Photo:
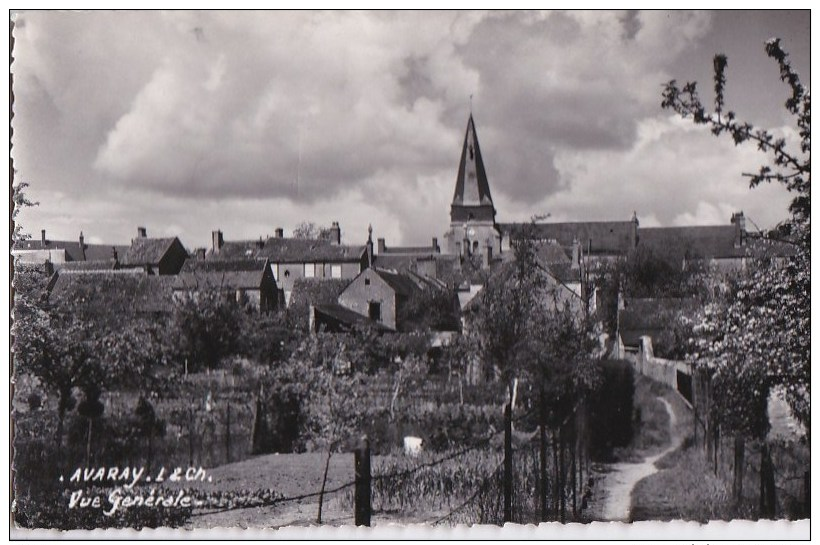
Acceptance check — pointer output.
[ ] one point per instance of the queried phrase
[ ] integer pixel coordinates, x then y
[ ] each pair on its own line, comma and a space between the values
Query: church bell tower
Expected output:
472, 213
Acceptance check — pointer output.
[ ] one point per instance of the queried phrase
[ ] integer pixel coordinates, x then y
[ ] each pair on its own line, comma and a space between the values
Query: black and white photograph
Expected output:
410, 269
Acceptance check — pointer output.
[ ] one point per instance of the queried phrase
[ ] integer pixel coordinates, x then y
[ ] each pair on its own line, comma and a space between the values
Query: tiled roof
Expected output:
289, 250
402, 284
549, 252
147, 251
118, 291
97, 265
192, 265
651, 317
93, 252
219, 279
707, 241
412, 250
346, 317
599, 237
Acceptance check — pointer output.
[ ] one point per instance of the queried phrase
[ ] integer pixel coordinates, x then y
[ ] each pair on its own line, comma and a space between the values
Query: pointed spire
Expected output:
472, 187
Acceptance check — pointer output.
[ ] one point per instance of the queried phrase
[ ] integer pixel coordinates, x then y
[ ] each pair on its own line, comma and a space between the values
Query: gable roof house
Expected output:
60, 252
383, 298
248, 281
294, 258
154, 255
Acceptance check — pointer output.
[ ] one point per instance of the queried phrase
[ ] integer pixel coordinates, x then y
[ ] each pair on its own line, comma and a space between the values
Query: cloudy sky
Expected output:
185, 122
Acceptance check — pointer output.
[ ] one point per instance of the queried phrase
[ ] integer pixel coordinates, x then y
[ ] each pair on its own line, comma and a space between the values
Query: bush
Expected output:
611, 407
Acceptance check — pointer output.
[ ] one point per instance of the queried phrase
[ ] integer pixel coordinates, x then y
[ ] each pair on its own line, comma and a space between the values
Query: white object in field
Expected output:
412, 445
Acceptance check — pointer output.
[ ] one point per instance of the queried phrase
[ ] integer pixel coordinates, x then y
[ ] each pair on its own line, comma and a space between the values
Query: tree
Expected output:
309, 230
788, 166
207, 324
19, 201
754, 336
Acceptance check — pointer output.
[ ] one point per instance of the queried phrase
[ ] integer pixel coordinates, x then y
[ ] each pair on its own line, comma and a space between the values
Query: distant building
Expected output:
115, 291
154, 255
59, 252
294, 258
250, 282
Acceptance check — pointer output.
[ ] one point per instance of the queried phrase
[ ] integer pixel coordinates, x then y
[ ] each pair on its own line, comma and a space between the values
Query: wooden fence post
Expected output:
508, 472
807, 493
737, 482
562, 474
228, 432
542, 474
362, 487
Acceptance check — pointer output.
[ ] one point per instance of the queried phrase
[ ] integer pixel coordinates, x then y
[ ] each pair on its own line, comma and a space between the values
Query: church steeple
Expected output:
472, 200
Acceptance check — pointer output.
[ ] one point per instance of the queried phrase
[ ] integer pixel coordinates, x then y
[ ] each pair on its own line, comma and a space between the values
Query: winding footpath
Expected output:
622, 477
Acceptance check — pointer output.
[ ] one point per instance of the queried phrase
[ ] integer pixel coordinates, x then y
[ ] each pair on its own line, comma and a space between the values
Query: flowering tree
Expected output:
755, 334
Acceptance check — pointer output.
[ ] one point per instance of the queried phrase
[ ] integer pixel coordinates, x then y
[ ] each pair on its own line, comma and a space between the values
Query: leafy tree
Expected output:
19, 201
207, 324
430, 309
754, 335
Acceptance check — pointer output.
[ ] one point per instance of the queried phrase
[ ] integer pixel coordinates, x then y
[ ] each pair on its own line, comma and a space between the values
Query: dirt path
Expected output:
621, 478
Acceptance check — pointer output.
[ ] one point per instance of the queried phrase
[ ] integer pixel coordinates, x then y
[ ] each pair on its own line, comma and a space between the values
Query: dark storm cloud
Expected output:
124, 117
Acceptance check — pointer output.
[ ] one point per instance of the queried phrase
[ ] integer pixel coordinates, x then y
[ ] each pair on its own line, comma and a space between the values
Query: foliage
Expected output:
309, 230
19, 201
611, 409
525, 331
430, 309
207, 324
755, 334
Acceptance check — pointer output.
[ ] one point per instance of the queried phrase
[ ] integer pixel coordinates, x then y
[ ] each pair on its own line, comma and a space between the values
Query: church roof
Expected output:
472, 187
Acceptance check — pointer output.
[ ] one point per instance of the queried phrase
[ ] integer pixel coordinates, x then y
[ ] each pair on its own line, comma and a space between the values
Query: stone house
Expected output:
160, 256
250, 282
294, 258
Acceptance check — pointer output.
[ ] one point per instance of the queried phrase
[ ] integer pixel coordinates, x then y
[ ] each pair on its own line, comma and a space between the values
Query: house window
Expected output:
374, 311
310, 270
287, 273
274, 268
335, 271
366, 281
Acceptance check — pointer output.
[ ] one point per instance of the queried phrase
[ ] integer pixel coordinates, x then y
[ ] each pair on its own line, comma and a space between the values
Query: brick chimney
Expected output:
142, 232
739, 221
380, 243
43, 236
200, 254
115, 255
216, 241
436, 248
279, 232
335, 234
633, 232
82, 246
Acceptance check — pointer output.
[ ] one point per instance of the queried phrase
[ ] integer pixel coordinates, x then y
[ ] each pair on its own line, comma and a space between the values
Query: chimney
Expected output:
43, 236
633, 232
436, 249
82, 246
114, 255
142, 232
200, 254
216, 241
576, 254
739, 221
279, 233
369, 246
335, 234
380, 243
488, 254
